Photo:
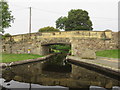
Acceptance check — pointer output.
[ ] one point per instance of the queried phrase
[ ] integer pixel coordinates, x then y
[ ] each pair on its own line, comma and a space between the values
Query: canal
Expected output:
55, 71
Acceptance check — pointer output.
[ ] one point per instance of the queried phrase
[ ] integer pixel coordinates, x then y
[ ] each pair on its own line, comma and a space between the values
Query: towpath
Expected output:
111, 65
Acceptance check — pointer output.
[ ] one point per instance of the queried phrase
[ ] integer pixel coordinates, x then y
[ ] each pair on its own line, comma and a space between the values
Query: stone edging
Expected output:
94, 65
2, 65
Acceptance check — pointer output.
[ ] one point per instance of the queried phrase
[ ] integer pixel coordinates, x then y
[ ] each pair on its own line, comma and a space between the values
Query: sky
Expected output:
103, 13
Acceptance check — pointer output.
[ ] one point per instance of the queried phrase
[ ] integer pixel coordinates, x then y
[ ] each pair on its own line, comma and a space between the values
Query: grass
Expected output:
17, 57
109, 53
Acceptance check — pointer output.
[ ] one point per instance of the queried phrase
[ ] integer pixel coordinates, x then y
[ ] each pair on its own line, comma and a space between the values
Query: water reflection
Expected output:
48, 73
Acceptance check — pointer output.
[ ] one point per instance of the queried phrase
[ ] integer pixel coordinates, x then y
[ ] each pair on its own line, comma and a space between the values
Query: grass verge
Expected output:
109, 53
17, 57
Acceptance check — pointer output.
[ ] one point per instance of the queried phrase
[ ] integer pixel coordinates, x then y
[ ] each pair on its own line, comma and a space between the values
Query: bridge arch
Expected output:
46, 47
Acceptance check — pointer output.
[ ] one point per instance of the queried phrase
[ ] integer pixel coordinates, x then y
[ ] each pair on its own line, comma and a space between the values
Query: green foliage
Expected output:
6, 35
17, 57
48, 29
61, 47
60, 22
5, 16
77, 19
109, 53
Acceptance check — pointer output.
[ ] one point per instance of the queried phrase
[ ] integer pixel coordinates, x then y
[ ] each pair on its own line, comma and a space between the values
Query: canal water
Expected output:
55, 71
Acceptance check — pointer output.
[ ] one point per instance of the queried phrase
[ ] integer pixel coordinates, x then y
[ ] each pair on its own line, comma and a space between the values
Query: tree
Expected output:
76, 20
5, 16
60, 22
48, 29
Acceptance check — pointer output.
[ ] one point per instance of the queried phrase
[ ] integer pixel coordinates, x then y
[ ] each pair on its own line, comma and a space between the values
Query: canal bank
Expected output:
105, 65
55, 71
3, 65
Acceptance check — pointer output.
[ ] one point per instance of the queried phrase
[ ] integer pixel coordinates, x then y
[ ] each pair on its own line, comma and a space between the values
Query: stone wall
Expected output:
95, 44
67, 34
92, 44
38, 43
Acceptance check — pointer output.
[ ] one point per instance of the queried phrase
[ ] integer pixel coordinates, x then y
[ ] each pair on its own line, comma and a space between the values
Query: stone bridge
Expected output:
39, 43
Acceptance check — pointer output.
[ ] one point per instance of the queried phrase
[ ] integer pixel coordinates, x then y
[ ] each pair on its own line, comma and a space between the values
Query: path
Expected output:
102, 63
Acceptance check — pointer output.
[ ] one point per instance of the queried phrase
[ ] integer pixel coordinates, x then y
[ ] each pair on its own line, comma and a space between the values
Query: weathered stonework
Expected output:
38, 43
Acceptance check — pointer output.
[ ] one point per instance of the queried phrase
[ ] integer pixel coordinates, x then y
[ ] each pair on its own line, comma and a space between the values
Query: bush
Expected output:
48, 29
6, 35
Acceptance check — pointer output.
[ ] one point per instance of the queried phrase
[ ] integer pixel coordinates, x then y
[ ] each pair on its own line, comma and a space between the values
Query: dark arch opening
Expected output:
57, 47
48, 44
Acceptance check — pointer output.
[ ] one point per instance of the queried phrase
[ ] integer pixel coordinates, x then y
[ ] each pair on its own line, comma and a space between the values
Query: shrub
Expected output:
48, 29
6, 35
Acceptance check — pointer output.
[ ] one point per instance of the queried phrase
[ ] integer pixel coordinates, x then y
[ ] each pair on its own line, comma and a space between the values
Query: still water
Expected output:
54, 72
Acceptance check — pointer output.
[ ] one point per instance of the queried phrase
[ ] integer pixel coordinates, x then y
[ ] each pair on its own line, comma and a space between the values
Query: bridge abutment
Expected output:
44, 50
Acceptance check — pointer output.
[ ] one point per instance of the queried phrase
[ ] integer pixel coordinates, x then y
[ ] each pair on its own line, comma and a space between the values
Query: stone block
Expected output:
88, 54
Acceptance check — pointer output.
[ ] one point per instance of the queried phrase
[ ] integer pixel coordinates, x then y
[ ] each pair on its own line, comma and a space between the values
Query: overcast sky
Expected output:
103, 13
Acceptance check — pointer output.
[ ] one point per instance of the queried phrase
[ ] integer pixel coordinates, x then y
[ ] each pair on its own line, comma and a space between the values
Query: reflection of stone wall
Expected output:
0, 49
82, 74
38, 42
24, 72
78, 78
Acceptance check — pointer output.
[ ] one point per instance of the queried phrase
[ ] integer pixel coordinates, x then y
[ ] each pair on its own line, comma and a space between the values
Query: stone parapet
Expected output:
38, 42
